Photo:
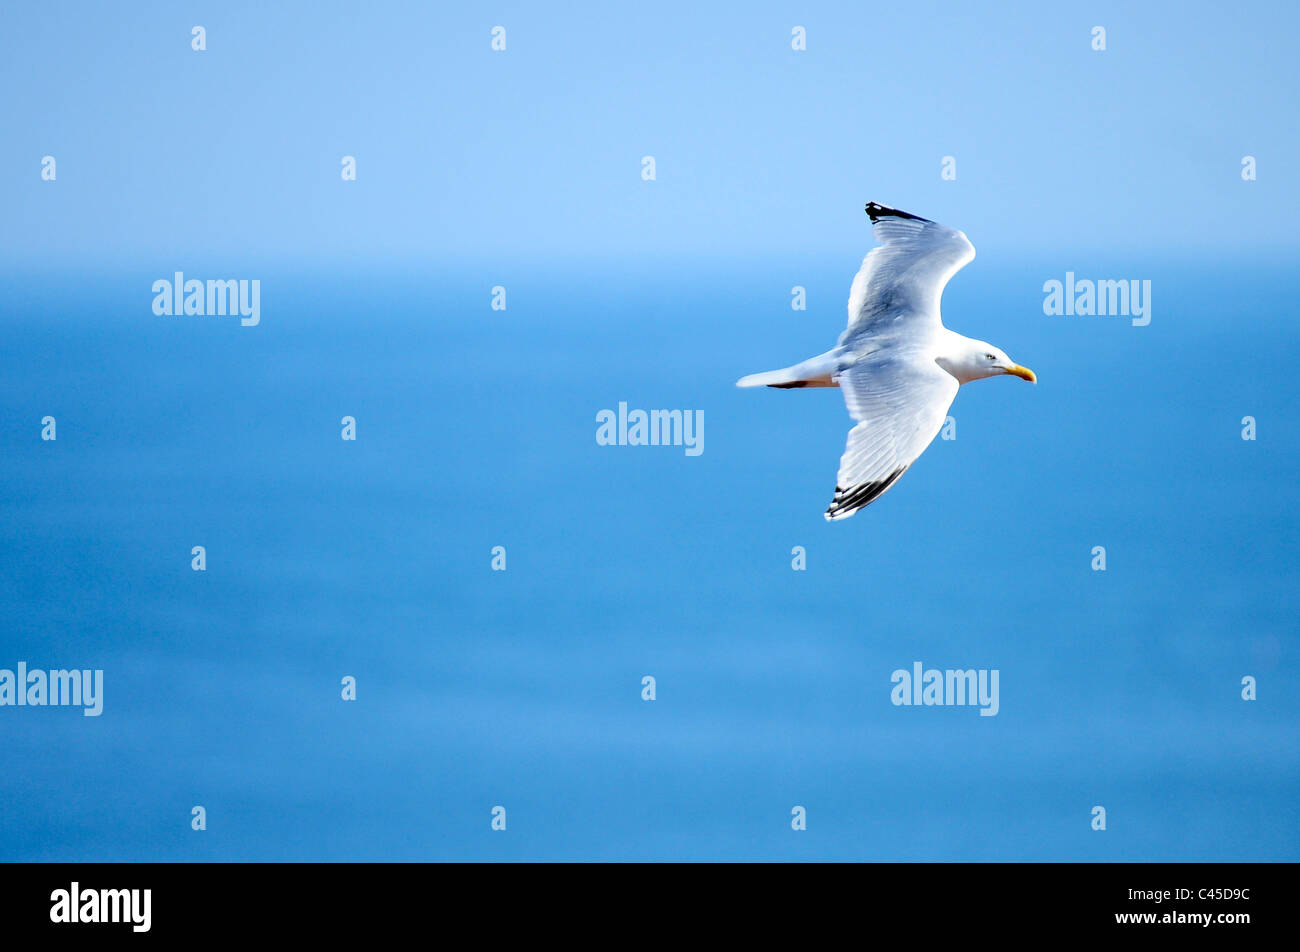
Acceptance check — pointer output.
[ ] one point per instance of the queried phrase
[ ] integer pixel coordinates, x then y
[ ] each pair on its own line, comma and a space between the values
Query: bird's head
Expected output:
968, 359
989, 361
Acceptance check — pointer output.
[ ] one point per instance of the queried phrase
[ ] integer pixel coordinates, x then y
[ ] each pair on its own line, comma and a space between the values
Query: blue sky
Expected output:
534, 152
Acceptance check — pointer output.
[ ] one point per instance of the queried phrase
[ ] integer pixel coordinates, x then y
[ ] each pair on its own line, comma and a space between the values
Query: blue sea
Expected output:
522, 688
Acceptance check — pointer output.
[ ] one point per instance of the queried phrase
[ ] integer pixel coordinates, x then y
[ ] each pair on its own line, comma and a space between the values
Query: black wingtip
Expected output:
876, 211
848, 501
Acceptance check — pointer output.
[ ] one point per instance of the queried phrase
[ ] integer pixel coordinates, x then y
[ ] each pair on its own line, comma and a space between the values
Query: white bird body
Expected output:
898, 366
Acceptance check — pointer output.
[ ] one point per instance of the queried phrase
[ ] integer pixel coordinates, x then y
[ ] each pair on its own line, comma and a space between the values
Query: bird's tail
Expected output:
816, 372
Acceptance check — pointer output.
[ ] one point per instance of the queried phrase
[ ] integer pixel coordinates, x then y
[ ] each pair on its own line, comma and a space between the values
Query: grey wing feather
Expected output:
903, 279
901, 403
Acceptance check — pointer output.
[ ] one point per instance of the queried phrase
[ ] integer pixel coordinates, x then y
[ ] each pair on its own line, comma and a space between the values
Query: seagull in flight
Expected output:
898, 366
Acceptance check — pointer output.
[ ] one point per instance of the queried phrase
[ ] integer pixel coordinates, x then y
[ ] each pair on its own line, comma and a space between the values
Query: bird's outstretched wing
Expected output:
901, 281
901, 402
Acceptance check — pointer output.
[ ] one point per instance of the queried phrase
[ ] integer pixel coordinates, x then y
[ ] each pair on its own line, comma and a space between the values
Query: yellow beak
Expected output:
1024, 373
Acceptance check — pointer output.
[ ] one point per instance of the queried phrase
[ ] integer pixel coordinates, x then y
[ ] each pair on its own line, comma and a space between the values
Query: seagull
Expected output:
898, 366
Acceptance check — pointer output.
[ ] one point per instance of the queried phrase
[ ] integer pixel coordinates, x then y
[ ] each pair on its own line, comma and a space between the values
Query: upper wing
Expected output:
904, 278
901, 404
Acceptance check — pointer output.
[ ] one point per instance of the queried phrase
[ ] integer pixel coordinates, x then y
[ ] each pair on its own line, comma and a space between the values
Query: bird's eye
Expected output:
990, 357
